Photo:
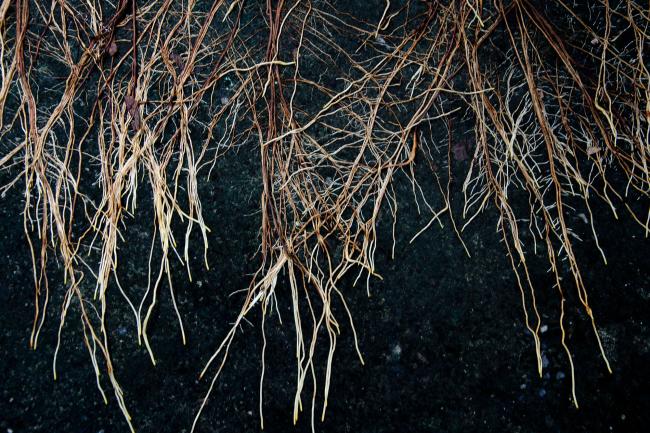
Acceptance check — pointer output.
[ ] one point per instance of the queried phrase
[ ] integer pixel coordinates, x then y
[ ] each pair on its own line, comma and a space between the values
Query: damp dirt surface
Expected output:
442, 333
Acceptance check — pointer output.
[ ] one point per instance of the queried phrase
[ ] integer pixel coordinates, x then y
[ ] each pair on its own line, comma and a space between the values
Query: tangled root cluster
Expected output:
101, 101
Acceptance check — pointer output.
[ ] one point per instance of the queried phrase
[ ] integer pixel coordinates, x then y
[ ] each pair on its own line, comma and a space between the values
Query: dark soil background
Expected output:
442, 335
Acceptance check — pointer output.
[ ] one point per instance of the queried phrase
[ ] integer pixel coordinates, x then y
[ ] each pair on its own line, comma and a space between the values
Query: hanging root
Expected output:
101, 102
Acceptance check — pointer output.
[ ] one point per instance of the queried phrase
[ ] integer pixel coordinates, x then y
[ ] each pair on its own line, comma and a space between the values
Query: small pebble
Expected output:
543, 329
397, 351
542, 392
112, 49
423, 359
560, 375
